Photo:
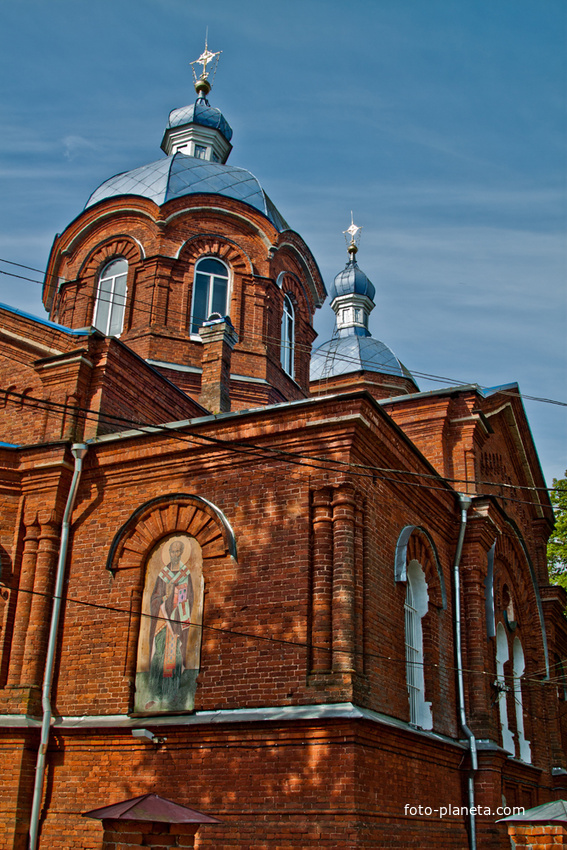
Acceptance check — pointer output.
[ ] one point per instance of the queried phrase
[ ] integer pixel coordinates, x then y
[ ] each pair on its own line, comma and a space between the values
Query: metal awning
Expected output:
556, 811
150, 807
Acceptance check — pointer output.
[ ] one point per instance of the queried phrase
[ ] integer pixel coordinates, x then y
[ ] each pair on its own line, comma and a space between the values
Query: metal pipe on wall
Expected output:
78, 450
464, 502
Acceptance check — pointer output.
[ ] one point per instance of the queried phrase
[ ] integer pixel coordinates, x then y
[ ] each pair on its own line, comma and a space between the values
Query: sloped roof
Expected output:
150, 807
201, 113
554, 811
353, 353
352, 280
178, 175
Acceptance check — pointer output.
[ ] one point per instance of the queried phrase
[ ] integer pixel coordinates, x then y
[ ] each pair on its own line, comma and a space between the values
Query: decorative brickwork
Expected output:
221, 495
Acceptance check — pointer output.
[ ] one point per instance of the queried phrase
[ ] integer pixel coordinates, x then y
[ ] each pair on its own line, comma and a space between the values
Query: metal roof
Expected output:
352, 352
150, 807
553, 812
453, 389
180, 174
201, 113
352, 281
47, 323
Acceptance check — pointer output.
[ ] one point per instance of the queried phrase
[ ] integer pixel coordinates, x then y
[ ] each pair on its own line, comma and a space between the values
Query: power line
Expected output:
19, 276
342, 357
21, 266
280, 641
328, 464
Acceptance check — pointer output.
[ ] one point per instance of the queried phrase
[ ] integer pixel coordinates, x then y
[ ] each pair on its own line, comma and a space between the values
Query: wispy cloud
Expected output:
74, 146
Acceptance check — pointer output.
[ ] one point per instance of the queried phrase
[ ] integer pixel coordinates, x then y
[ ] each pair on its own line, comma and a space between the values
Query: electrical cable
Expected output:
532, 680
328, 464
298, 346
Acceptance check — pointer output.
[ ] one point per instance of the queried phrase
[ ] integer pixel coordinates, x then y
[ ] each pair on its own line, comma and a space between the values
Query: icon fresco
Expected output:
169, 643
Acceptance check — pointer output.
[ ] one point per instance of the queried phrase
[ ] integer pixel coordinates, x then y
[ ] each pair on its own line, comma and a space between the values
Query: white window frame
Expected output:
114, 302
415, 608
502, 656
197, 321
287, 345
525, 750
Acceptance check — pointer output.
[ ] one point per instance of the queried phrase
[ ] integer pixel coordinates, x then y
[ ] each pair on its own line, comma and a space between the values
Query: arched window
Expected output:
111, 298
502, 656
210, 291
288, 336
416, 605
525, 752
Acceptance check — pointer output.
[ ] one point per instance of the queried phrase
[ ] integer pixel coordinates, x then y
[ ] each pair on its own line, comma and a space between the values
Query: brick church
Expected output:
262, 577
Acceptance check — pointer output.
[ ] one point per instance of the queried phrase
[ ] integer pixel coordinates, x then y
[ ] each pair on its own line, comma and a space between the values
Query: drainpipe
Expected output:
78, 450
464, 503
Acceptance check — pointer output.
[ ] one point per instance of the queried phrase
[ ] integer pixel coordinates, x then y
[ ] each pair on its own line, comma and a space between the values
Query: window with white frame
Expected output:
111, 298
287, 336
502, 656
525, 752
509, 682
210, 291
415, 607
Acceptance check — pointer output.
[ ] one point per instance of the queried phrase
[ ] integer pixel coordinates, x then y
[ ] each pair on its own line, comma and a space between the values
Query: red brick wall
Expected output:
337, 784
70, 374
161, 261
300, 788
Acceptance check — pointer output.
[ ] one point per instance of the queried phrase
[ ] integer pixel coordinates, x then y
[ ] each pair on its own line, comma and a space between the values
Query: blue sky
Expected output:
441, 124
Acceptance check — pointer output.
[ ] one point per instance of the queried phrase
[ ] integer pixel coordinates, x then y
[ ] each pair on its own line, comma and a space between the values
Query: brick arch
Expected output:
234, 257
166, 515
415, 544
512, 566
291, 285
67, 303
292, 245
212, 245
104, 252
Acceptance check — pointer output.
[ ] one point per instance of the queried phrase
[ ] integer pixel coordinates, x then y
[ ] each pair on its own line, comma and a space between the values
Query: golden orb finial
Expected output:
209, 61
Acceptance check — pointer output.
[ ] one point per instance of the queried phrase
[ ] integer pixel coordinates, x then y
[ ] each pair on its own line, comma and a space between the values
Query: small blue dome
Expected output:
200, 113
352, 280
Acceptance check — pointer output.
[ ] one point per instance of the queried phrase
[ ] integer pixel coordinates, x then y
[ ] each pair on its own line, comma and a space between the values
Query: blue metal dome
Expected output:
180, 174
352, 281
201, 113
355, 352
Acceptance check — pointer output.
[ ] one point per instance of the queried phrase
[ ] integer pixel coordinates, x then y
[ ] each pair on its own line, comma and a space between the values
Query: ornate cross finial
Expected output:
207, 58
352, 236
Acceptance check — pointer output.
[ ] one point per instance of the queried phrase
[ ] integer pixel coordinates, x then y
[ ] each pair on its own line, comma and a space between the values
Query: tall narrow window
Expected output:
502, 656
210, 291
416, 605
111, 298
525, 751
288, 336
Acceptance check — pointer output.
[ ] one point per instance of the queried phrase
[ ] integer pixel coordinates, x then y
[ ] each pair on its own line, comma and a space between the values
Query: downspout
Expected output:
464, 503
78, 450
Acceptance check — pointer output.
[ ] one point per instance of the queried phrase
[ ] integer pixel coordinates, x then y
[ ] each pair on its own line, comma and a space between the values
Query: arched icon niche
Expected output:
169, 643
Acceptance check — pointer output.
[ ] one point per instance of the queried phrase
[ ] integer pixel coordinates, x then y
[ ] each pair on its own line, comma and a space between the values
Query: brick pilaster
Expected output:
322, 580
343, 580
38, 630
24, 602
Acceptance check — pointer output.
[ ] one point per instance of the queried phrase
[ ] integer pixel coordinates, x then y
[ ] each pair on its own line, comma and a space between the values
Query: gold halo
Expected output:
166, 546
